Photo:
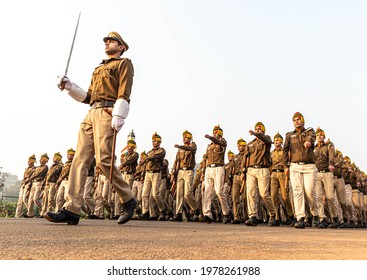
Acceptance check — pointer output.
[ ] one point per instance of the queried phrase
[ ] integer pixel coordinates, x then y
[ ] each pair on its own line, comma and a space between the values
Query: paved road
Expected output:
37, 239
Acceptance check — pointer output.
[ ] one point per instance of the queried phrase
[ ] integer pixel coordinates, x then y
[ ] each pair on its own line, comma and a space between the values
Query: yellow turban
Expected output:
156, 137
298, 114
278, 137
58, 156
45, 156
187, 134
218, 130
131, 143
71, 151
262, 126
32, 158
241, 142
320, 131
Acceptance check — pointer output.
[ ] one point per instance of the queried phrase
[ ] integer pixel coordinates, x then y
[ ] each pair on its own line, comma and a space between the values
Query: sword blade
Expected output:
72, 46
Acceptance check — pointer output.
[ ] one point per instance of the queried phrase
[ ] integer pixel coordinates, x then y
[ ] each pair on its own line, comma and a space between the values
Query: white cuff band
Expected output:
121, 108
77, 93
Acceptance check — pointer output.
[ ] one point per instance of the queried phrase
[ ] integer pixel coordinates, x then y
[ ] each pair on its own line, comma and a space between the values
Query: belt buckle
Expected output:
301, 163
213, 165
184, 168
256, 166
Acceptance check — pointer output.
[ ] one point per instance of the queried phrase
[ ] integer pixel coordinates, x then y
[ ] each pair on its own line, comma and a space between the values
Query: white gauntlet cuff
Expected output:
77, 93
121, 108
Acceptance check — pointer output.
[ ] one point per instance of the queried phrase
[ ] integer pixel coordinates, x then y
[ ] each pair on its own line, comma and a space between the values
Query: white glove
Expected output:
73, 89
119, 113
64, 83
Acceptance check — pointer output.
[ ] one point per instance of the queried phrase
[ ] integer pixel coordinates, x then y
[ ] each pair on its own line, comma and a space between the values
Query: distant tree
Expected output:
9, 183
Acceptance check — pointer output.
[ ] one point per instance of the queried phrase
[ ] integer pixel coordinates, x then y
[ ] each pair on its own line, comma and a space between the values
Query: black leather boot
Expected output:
62, 216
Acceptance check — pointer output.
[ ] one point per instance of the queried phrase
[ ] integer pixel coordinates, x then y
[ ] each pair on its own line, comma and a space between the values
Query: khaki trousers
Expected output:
21, 200
339, 185
184, 191
214, 183
107, 196
88, 196
48, 195
137, 192
60, 195
151, 187
303, 177
357, 206
236, 197
277, 182
34, 197
325, 186
349, 198
258, 178
95, 137
97, 196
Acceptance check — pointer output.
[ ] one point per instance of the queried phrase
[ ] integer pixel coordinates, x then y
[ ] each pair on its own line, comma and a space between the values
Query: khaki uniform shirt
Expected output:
111, 80
237, 164
339, 161
277, 159
185, 157
139, 172
155, 159
129, 163
258, 151
228, 178
65, 171
324, 156
349, 175
165, 170
39, 173
293, 148
216, 151
28, 173
54, 173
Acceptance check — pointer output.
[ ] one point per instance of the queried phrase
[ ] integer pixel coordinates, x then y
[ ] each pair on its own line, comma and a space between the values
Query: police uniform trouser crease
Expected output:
95, 137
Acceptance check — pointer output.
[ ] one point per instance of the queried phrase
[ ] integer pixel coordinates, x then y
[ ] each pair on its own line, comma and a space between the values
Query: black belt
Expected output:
215, 165
36, 181
153, 171
277, 170
126, 172
302, 162
186, 168
238, 173
102, 104
258, 166
324, 171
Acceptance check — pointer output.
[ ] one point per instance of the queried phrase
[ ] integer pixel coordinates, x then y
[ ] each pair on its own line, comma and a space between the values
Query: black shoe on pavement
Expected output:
236, 222
62, 216
92, 217
177, 218
226, 219
300, 224
273, 223
323, 224
208, 219
128, 211
251, 222
315, 221
335, 223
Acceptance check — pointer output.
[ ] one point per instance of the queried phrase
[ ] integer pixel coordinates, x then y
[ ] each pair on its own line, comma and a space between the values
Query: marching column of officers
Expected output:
303, 182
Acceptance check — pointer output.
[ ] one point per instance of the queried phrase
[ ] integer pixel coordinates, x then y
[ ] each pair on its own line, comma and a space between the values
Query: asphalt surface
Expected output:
38, 239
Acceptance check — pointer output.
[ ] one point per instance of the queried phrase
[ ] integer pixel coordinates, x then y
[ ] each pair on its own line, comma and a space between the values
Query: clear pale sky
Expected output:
197, 64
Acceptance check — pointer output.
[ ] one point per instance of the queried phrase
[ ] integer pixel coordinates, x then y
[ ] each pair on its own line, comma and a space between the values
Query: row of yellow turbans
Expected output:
57, 155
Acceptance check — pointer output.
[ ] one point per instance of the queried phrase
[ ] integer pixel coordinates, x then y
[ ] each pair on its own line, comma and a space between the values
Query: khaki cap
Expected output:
115, 36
